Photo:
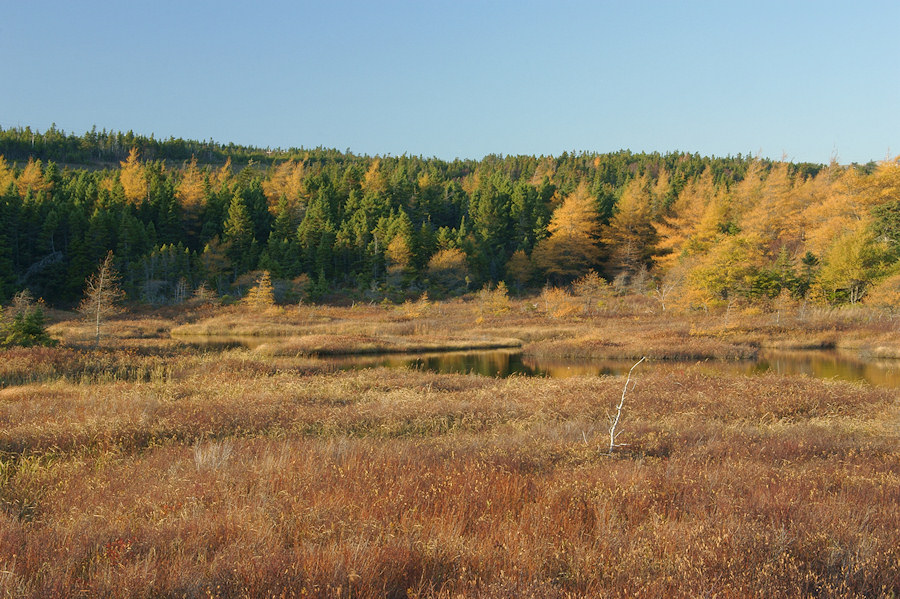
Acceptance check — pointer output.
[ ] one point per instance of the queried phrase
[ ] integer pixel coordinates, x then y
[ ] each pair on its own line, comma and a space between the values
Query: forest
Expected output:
697, 233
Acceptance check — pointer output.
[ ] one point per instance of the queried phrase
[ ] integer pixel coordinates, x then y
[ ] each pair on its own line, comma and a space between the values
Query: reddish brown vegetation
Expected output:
231, 476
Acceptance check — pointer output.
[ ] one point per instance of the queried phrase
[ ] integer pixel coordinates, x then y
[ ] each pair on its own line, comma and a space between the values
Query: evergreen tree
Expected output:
238, 235
27, 329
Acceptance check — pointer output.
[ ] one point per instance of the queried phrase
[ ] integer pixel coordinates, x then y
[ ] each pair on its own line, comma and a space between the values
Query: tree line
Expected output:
696, 231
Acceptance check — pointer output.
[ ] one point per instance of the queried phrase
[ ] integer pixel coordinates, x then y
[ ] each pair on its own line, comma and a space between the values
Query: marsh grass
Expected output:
628, 329
251, 482
171, 471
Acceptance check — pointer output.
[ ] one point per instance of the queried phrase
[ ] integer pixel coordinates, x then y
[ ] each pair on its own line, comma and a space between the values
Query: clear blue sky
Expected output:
466, 78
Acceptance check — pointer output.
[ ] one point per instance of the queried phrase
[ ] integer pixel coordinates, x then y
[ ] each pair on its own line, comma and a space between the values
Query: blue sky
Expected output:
461, 78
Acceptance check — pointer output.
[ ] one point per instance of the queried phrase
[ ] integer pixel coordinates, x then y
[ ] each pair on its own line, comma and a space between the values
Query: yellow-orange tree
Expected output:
571, 249
133, 179
191, 194
629, 236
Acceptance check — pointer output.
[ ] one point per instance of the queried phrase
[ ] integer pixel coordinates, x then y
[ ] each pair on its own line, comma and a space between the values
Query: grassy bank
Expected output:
152, 468
233, 477
628, 332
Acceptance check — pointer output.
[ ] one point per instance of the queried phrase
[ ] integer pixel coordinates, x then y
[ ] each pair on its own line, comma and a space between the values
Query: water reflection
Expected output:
504, 363
223, 342
496, 363
825, 364
844, 366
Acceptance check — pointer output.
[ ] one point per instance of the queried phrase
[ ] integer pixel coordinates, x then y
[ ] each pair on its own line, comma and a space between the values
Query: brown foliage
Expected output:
403, 483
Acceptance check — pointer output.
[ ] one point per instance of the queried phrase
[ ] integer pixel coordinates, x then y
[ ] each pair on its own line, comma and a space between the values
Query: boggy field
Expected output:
152, 468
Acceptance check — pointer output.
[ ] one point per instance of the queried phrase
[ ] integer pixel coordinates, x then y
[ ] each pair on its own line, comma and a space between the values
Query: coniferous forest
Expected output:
181, 215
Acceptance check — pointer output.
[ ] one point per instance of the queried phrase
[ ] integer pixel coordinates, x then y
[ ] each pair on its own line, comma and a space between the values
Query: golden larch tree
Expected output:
571, 247
881, 186
262, 295
286, 181
852, 263
223, 176
133, 178
774, 217
374, 180
398, 252
448, 269
32, 179
727, 270
6, 175
629, 236
683, 221
748, 191
886, 295
191, 190
834, 211
191, 194
659, 192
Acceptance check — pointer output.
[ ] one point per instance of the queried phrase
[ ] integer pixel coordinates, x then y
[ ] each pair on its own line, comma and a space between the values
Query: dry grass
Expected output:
172, 471
631, 330
247, 480
330, 345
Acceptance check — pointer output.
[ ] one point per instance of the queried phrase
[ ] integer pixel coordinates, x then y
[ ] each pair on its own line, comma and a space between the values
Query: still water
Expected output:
503, 363
826, 364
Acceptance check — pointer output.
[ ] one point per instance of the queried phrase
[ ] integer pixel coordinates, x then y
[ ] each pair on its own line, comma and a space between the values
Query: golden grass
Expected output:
631, 331
236, 478
174, 471
329, 345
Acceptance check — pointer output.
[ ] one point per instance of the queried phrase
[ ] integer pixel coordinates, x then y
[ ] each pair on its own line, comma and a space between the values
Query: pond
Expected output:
825, 364
828, 364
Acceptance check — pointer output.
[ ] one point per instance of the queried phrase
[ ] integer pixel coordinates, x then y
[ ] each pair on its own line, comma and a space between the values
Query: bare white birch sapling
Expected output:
614, 420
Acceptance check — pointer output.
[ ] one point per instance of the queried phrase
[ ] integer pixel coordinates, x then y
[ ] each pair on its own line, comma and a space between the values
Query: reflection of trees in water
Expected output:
487, 363
493, 363
560, 368
831, 364
826, 364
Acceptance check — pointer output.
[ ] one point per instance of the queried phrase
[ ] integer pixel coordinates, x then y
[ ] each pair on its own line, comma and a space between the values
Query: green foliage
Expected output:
886, 225
26, 329
176, 211
852, 264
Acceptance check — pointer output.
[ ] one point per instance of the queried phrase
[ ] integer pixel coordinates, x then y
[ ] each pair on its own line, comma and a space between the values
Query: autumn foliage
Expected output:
693, 233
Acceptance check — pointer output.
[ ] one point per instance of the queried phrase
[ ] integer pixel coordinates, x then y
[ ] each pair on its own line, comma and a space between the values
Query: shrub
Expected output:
418, 308
261, 296
27, 329
593, 289
558, 303
448, 270
493, 301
